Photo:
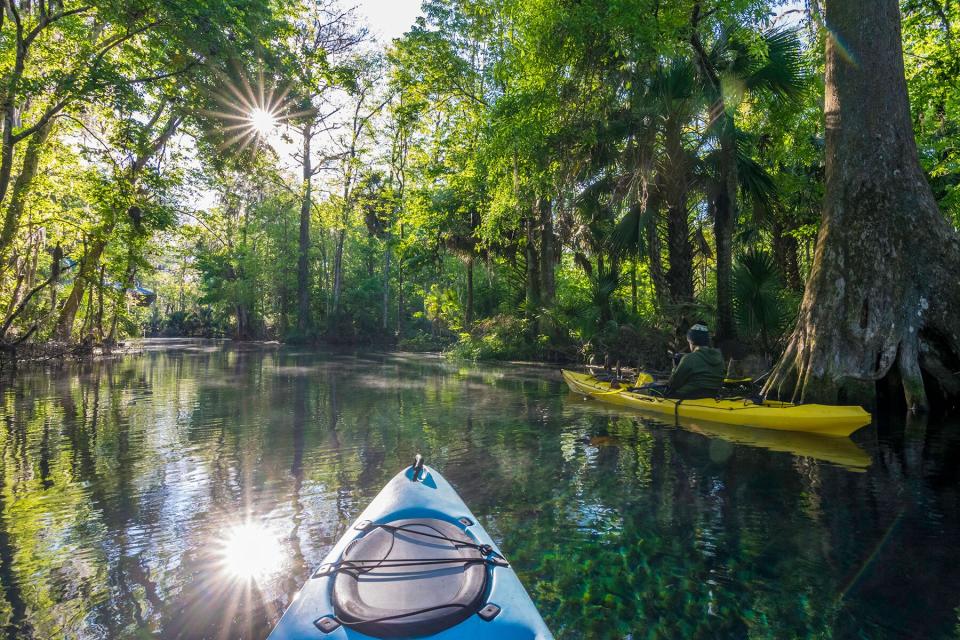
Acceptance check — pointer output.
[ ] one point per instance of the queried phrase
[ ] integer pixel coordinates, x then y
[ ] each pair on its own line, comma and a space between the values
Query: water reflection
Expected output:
187, 492
843, 452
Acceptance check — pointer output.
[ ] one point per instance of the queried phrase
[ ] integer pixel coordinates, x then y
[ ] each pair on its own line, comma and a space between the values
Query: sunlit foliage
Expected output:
550, 178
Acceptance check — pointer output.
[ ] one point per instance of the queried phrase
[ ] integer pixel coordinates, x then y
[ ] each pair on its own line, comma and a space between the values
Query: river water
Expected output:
186, 492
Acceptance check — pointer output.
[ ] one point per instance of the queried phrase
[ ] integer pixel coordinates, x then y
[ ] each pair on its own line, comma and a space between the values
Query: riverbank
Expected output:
507, 340
52, 352
28, 353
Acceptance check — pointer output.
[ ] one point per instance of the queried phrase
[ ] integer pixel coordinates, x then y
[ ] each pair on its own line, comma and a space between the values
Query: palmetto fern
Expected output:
758, 299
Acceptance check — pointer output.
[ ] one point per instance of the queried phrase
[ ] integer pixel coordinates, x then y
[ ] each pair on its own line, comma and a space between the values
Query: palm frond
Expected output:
758, 295
673, 90
628, 236
783, 74
590, 202
603, 285
755, 181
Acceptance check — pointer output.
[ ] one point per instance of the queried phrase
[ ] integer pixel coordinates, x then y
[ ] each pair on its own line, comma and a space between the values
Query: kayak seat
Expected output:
409, 578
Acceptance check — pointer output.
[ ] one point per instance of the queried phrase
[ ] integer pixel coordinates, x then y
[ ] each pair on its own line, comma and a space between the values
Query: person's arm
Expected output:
680, 375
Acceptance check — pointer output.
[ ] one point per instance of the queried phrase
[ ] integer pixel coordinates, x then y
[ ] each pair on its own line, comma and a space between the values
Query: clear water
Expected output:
186, 493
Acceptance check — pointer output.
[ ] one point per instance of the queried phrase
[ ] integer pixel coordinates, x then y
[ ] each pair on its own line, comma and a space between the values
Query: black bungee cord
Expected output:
489, 556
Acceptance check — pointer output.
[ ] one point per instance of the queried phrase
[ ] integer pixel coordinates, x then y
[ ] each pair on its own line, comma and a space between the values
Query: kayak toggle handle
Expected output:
417, 467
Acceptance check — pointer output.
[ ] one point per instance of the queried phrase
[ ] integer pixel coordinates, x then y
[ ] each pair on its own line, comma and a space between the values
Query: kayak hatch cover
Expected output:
415, 564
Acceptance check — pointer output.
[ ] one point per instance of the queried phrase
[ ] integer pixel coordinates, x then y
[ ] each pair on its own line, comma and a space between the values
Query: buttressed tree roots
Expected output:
883, 296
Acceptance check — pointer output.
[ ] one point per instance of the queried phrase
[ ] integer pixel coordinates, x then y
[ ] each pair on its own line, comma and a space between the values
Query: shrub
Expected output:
762, 306
645, 346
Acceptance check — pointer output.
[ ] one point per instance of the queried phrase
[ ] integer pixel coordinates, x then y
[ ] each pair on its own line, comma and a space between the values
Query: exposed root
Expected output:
908, 364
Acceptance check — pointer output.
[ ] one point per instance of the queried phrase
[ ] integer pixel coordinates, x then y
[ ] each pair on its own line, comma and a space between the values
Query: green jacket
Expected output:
699, 374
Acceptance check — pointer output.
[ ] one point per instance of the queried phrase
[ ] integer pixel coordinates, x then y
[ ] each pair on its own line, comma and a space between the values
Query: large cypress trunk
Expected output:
882, 296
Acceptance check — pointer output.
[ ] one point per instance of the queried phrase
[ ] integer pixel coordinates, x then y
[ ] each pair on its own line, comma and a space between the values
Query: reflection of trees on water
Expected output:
118, 480
730, 547
298, 427
13, 608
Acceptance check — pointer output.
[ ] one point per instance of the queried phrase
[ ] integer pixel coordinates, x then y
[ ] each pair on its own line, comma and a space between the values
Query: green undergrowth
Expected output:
506, 337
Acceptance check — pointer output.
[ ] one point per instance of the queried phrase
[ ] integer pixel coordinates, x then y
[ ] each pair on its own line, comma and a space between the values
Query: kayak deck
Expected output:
837, 421
324, 608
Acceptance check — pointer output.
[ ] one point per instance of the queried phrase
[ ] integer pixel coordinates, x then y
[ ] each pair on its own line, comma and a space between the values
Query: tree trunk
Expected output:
325, 267
130, 277
606, 313
71, 305
86, 327
785, 253
338, 269
6, 147
533, 268
31, 161
101, 283
725, 217
548, 254
656, 257
400, 286
680, 269
243, 322
303, 247
724, 202
468, 319
386, 285
882, 295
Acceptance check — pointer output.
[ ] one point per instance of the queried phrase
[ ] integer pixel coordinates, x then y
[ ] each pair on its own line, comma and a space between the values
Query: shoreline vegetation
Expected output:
508, 180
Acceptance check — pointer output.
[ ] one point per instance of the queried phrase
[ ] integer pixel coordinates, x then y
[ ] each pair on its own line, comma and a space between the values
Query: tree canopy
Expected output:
534, 179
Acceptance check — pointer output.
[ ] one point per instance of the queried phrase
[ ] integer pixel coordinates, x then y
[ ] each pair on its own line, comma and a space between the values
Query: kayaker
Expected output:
699, 374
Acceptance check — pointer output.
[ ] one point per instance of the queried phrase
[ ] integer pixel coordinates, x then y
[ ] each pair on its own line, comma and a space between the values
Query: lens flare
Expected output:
263, 122
251, 552
253, 112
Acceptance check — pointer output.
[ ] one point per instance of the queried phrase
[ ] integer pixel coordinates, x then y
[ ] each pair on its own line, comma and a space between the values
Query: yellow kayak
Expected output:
781, 416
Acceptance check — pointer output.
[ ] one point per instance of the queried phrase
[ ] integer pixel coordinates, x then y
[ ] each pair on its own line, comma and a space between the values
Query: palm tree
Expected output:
730, 71
671, 100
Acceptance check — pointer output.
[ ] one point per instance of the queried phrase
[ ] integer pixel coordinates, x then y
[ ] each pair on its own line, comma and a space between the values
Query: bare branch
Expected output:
107, 150
157, 144
164, 76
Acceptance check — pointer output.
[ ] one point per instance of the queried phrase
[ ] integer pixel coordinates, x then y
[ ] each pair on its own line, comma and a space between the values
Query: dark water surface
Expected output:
186, 493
